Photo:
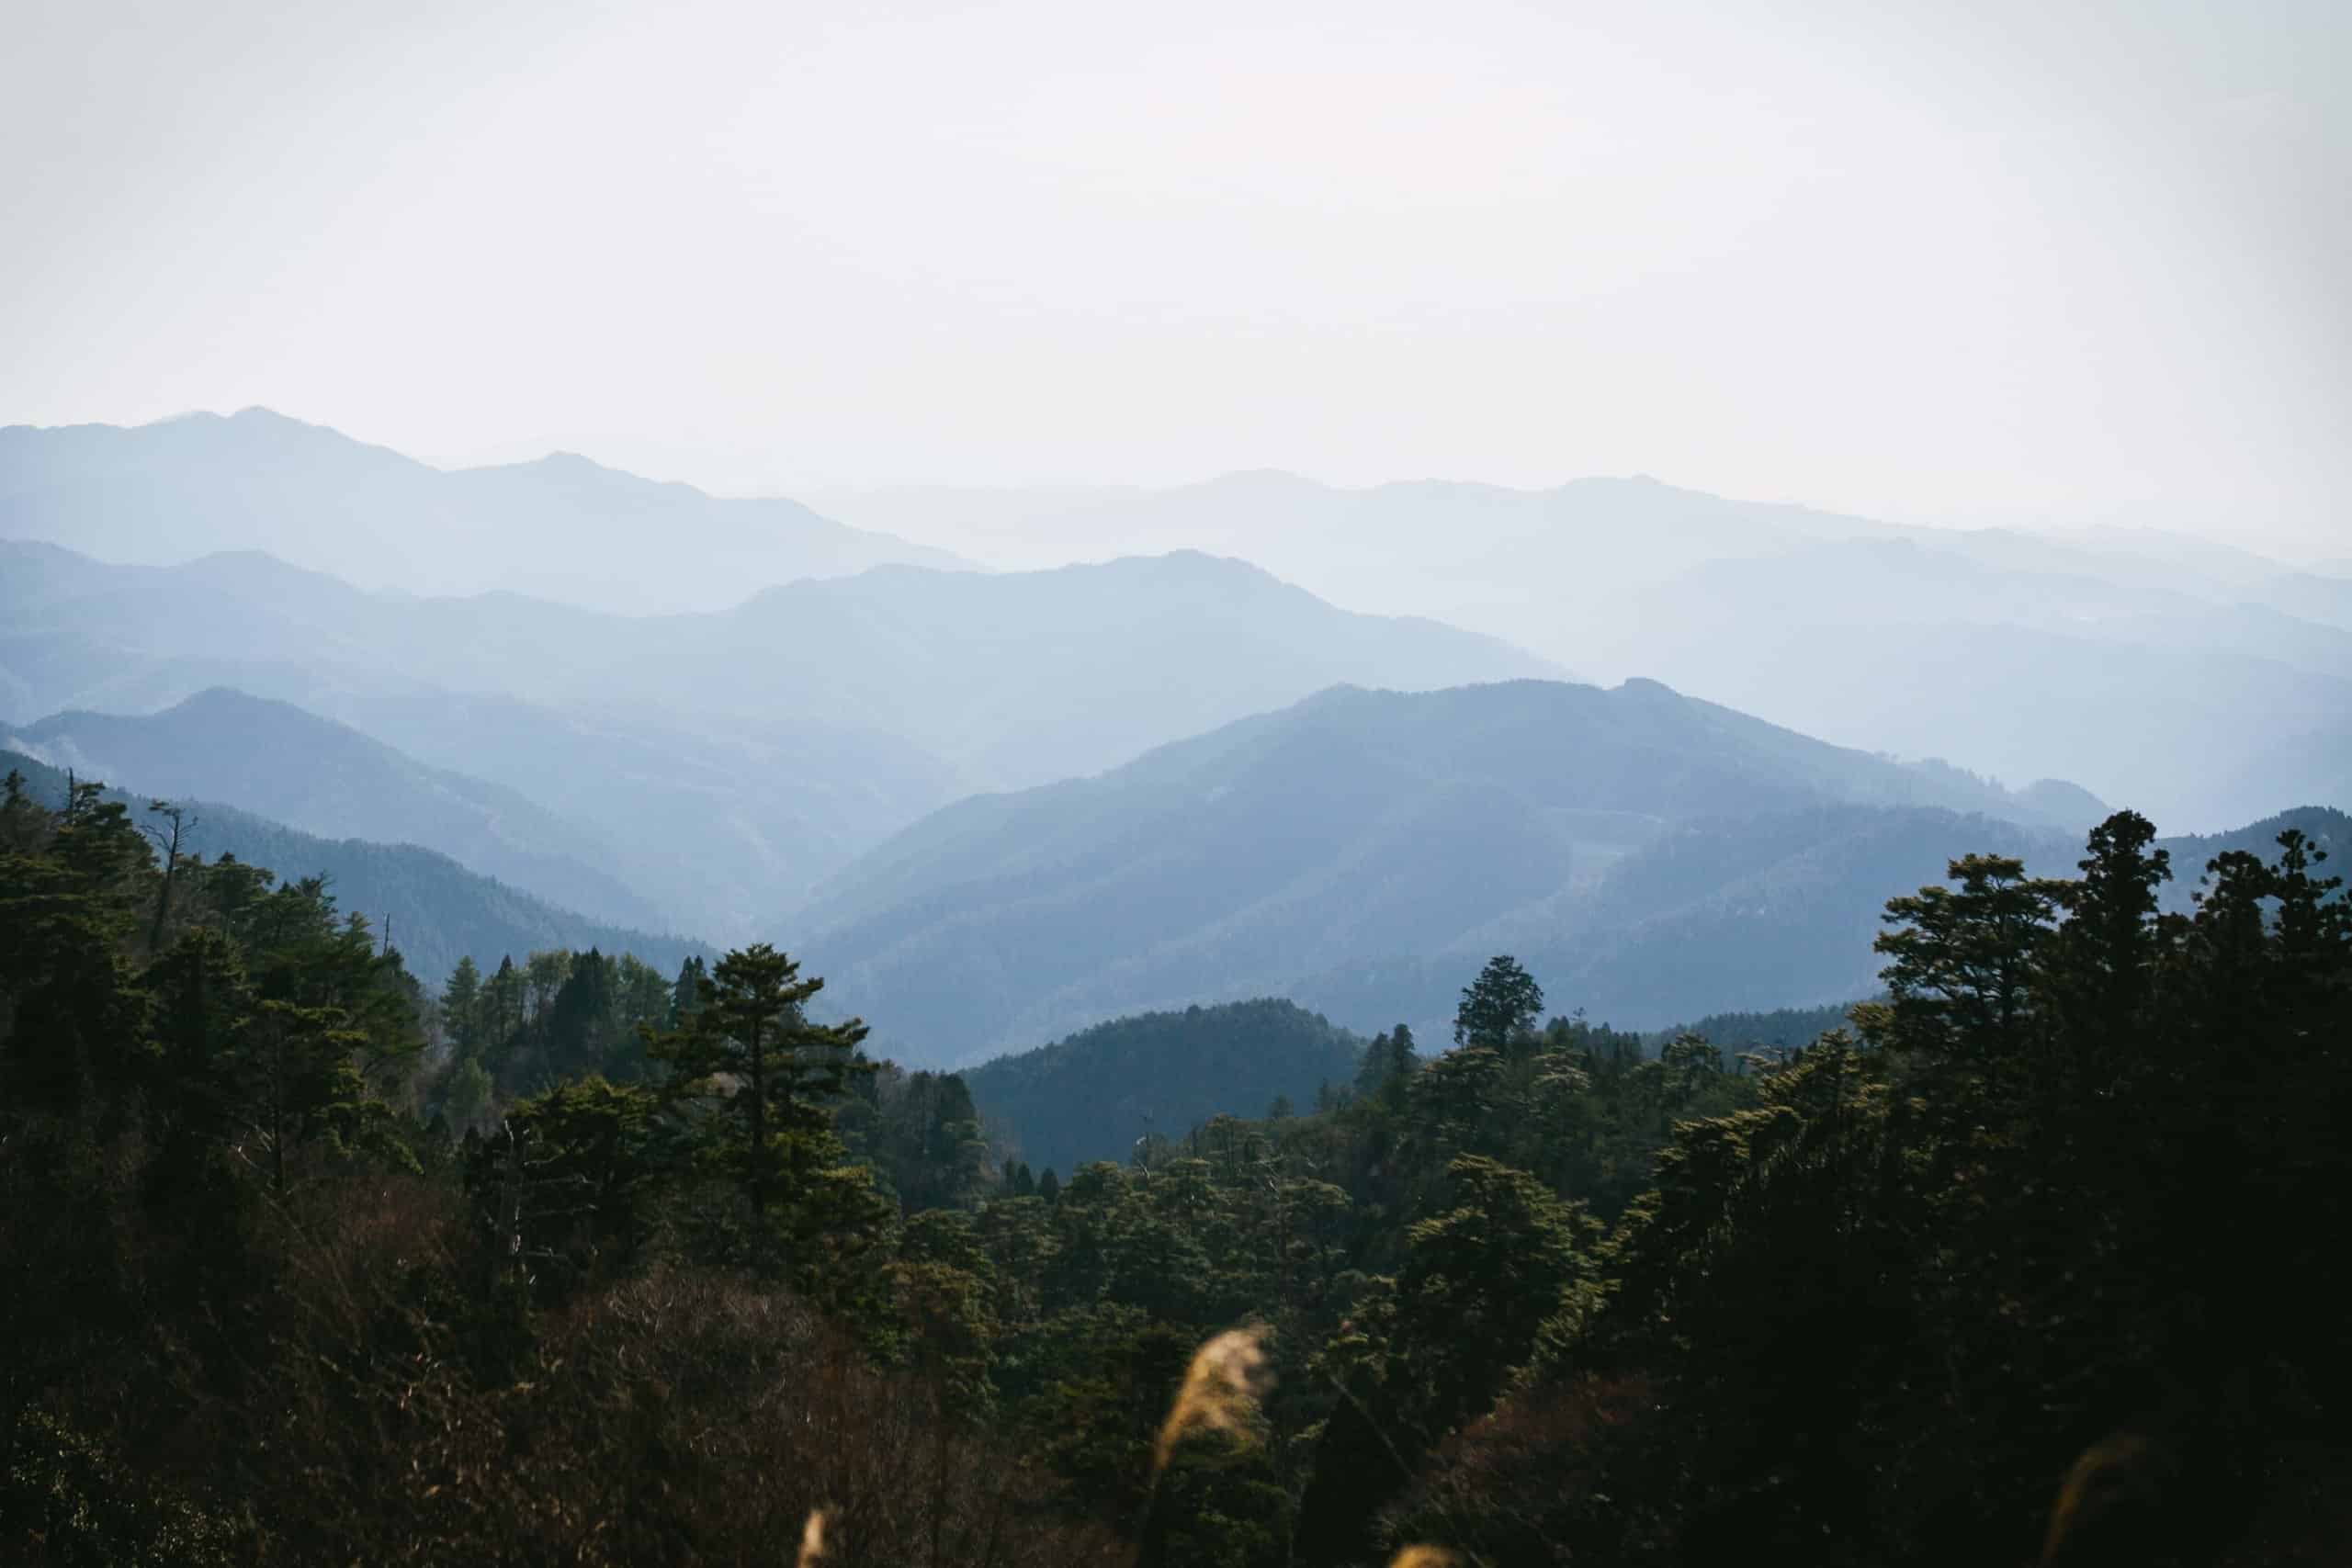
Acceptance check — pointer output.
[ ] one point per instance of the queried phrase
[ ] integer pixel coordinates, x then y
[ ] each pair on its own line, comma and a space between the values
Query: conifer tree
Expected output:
768, 1073
685, 996
461, 1010
1500, 1007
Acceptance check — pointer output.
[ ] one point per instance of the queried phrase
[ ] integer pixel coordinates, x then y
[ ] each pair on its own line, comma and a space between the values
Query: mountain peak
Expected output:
258, 416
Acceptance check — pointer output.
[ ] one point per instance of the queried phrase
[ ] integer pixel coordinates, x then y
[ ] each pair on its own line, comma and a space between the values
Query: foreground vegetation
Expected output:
580, 1263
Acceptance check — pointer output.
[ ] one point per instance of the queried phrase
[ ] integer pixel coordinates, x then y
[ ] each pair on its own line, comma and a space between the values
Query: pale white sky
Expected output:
1987, 262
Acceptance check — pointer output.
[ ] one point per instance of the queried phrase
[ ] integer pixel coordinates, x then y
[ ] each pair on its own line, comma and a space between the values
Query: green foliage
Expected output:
641, 1267
2073, 1184
1387, 1069
756, 1081
1093, 1095
1499, 1007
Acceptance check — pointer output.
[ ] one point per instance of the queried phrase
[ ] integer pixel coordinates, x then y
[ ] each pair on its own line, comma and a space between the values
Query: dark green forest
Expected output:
1104, 1091
586, 1261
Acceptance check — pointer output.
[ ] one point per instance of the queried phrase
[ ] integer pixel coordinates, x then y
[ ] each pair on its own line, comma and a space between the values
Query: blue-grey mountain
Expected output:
320, 778
562, 527
1284, 854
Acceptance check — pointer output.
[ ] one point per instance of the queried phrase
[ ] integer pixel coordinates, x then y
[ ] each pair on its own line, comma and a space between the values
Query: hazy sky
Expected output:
1966, 262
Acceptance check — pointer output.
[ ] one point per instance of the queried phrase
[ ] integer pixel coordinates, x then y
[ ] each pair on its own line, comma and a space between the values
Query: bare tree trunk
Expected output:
169, 840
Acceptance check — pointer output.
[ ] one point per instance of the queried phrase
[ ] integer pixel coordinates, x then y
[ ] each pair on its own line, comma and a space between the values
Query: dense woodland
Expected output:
583, 1262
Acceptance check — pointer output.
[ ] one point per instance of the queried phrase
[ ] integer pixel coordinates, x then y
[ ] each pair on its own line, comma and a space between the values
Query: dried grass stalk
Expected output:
1221, 1390
812, 1539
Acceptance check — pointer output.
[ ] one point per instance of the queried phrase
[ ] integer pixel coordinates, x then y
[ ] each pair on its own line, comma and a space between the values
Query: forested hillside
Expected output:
435, 911
1105, 1091
1668, 858
1529, 1293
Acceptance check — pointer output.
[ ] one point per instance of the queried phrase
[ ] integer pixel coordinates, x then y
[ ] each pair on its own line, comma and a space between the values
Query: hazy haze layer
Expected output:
2003, 261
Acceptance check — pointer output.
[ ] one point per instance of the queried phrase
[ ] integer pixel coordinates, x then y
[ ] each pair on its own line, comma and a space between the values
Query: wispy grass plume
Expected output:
812, 1539
2112, 1506
1221, 1390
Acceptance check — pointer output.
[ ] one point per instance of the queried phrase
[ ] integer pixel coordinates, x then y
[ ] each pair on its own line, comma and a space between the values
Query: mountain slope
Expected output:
1092, 1095
325, 778
1794, 899
2328, 829
433, 909
562, 526
1736, 915
1355, 826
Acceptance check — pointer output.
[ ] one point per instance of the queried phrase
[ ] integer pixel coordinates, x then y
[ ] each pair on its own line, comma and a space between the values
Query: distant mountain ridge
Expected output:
1354, 828
324, 778
562, 527
1013, 679
2145, 665
431, 909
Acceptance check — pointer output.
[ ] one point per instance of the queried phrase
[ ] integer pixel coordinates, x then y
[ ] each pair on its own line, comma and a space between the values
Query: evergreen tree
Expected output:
685, 996
502, 1008
1499, 1007
765, 1078
1387, 1074
581, 1019
296, 1083
461, 1005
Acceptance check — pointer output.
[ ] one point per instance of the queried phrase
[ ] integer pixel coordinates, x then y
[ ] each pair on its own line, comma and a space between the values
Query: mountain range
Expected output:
2202, 681
318, 777
2148, 666
999, 806
562, 527
730, 760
